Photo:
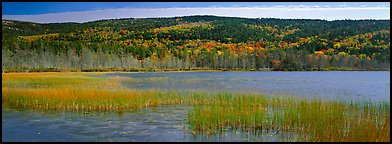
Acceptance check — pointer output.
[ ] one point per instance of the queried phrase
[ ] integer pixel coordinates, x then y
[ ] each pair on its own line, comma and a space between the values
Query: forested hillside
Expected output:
197, 42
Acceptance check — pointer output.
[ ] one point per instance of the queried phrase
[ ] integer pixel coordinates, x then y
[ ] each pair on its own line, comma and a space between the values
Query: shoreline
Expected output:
186, 70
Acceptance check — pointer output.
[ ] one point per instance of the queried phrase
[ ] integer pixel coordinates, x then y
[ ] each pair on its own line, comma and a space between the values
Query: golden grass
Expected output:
312, 120
56, 80
82, 99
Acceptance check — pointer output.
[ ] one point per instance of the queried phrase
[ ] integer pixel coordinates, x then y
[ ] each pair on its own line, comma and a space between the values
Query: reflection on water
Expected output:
150, 124
342, 85
167, 123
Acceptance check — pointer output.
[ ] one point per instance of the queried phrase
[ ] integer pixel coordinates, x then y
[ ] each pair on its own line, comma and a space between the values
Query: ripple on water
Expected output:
342, 85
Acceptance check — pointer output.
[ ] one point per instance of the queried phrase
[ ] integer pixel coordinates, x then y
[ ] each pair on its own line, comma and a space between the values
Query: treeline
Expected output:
86, 60
90, 60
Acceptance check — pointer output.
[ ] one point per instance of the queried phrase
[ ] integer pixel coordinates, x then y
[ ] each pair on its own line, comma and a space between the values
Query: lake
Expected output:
342, 85
169, 123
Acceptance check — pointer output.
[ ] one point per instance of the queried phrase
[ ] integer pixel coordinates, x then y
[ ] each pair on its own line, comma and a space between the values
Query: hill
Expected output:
207, 42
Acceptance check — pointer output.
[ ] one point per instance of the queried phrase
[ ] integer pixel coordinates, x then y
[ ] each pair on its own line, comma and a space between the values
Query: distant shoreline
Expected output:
185, 70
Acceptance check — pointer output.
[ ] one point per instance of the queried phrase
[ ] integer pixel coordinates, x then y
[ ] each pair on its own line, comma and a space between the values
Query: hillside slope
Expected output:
197, 42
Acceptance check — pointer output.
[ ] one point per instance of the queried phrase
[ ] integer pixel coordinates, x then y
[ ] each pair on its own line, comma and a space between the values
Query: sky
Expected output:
52, 12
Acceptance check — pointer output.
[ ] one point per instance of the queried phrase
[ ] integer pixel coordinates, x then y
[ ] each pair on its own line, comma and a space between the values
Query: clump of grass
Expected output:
229, 110
311, 120
84, 91
56, 80
82, 99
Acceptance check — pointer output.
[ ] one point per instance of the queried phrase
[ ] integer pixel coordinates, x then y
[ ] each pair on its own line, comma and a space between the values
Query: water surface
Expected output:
167, 123
342, 85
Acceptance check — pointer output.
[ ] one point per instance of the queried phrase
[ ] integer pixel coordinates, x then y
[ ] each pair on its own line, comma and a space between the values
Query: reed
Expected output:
311, 120
85, 91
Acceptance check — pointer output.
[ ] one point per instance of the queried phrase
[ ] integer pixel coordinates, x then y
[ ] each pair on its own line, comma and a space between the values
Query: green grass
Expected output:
212, 112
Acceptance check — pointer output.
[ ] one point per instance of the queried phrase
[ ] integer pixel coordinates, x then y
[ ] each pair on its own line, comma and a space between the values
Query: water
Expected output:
169, 123
340, 85
150, 124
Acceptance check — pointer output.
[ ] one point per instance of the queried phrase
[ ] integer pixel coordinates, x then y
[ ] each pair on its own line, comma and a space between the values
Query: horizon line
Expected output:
241, 12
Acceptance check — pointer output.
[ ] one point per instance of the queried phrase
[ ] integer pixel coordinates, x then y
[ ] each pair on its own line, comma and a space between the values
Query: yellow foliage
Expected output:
337, 45
249, 49
319, 53
303, 40
184, 26
342, 53
362, 56
330, 51
34, 37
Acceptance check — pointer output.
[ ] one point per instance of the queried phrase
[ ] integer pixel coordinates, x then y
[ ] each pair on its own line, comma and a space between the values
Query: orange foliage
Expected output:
303, 40
369, 36
249, 49
319, 53
275, 62
124, 32
196, 52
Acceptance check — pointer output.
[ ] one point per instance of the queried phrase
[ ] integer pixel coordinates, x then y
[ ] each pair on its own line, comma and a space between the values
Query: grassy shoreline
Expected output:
310, 119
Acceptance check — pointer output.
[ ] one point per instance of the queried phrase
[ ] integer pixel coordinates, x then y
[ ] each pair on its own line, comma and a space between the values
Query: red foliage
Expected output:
275, 62
258, 44
324, 50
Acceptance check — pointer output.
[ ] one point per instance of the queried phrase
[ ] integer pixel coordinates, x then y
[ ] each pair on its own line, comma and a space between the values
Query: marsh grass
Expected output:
211, 112
310, 120
56, 80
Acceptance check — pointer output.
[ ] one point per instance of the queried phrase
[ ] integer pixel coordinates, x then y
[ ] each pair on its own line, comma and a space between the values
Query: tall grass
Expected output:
85, 91
212, 112
311, 120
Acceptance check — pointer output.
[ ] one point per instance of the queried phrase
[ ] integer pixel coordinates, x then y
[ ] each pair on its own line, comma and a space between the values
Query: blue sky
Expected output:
48, 12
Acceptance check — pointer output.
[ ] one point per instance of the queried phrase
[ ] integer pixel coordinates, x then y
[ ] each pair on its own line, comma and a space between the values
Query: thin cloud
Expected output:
288, 12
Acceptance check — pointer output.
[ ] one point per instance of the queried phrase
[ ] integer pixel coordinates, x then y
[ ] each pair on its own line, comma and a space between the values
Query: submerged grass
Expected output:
212, 112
